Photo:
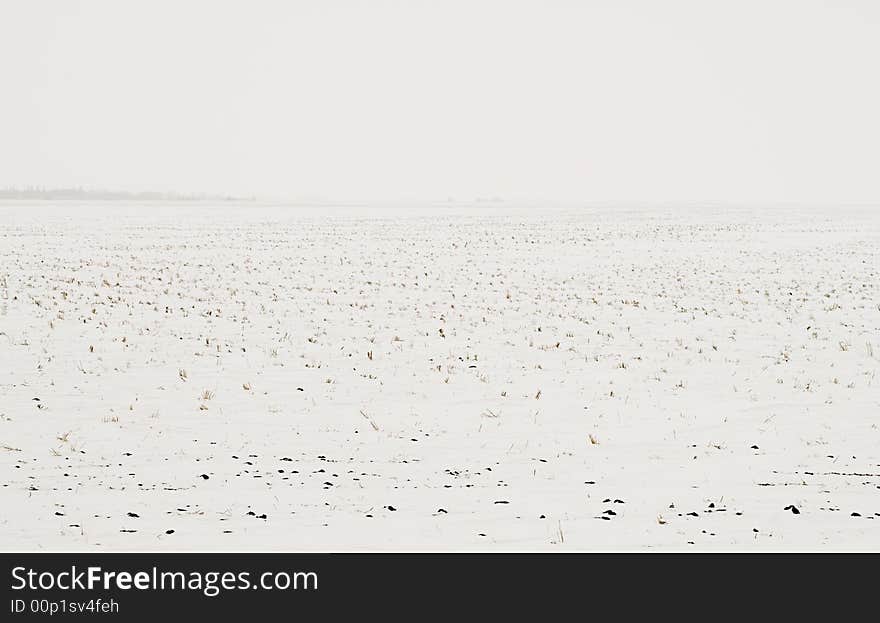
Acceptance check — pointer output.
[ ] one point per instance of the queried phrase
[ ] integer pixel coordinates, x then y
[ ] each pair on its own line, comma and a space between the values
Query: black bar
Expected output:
416, 586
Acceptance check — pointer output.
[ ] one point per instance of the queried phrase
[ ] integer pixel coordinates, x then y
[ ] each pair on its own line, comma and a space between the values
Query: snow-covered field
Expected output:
233, 378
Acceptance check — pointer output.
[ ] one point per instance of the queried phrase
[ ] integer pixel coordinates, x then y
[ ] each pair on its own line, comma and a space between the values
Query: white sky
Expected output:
742, 100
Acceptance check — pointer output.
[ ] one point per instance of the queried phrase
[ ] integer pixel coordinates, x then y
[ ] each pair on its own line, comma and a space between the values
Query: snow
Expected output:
490, 378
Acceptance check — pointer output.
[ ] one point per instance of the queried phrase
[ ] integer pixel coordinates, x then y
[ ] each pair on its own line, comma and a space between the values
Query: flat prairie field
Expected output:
250, 377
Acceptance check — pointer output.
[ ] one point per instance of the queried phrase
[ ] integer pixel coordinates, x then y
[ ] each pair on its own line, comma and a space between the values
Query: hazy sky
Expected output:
740, 100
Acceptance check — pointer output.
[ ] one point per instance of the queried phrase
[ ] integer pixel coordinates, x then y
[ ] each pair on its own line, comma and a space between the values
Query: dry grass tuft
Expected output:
370, 420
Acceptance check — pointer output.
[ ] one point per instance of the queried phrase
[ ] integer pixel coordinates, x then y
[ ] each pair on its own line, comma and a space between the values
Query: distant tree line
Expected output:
39, 192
